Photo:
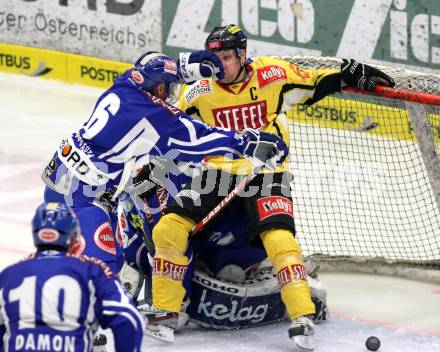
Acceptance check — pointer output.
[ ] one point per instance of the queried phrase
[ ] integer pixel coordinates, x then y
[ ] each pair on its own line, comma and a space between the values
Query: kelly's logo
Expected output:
273, 205
270, 74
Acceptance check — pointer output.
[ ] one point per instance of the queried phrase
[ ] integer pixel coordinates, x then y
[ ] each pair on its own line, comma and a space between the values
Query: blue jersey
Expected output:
126, 128
53, 301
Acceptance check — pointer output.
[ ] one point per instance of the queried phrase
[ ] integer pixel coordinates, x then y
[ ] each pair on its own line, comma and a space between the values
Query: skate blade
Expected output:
160, 332
304, 343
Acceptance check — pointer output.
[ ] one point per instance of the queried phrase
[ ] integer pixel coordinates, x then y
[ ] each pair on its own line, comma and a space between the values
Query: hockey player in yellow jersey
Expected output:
253, 94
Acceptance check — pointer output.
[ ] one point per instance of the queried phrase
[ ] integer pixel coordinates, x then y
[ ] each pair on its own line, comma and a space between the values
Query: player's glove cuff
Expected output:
199, 65
152, 175
264, 149
362, 76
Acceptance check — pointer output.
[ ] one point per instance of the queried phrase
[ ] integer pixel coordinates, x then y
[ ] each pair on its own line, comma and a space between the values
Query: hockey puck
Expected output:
372, 343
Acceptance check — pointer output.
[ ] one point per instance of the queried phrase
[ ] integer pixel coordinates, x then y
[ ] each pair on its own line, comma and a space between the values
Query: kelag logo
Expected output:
24, 63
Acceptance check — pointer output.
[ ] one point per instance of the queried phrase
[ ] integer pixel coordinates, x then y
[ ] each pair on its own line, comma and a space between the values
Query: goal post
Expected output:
367, 176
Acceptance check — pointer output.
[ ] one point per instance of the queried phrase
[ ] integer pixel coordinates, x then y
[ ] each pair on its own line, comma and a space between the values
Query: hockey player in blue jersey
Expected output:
54, 300
131, 122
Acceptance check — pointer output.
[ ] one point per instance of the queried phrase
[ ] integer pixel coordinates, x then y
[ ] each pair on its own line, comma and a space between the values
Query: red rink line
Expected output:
14, 220
385, 324
14, 251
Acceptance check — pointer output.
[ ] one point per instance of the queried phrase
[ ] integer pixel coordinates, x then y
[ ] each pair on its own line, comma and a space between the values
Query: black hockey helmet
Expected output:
226, 37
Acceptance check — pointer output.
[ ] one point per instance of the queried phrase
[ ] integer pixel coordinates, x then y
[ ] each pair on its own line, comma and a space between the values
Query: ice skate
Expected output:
301, 331
161, 324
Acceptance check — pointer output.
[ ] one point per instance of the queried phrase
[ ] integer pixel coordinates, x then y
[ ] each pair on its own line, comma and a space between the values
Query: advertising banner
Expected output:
118, 30
392, 32
70, 68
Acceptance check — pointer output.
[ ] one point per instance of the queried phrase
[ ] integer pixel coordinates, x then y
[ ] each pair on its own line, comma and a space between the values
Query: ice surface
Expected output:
35, 114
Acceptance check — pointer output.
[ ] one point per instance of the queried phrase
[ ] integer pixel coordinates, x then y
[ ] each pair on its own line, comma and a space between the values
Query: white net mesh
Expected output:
405, 79
361, 187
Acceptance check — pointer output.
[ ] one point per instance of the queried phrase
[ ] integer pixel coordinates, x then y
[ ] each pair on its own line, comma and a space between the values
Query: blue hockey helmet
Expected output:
54, 224
155, 68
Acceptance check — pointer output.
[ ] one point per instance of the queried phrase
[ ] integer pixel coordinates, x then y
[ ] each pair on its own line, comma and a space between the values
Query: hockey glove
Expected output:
264, 149
151, 175
199, 65
361, 76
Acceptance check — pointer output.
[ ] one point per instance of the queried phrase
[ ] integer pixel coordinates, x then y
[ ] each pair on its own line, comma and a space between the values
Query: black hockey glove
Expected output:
362, 76
152, 175
197, 65
264, 149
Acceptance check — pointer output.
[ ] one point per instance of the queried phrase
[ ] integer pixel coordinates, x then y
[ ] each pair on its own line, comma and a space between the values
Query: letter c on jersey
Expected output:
251, 91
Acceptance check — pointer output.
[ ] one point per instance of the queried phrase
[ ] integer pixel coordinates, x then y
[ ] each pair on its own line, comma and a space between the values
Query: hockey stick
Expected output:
400, 94
228, 199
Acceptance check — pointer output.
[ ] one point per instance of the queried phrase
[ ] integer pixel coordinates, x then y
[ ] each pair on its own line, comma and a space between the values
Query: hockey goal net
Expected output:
367, 178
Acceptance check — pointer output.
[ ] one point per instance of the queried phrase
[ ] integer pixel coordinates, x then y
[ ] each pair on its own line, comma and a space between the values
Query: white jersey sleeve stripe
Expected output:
128, 316
128, 306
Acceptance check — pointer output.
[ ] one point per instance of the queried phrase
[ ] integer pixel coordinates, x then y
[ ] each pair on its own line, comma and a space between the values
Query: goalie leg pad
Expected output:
170, 237
218, 304
285, 254
319, 299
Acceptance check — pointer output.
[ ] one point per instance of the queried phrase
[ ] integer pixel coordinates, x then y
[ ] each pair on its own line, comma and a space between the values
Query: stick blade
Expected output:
160, 332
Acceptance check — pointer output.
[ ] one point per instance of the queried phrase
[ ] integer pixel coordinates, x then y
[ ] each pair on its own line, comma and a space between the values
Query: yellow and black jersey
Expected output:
272, 87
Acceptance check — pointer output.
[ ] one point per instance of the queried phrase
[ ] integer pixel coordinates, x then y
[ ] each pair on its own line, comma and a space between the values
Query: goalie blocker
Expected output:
220, 304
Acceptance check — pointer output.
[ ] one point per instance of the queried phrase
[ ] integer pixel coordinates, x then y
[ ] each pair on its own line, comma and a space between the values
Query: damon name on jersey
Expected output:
272, 87
52, 301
